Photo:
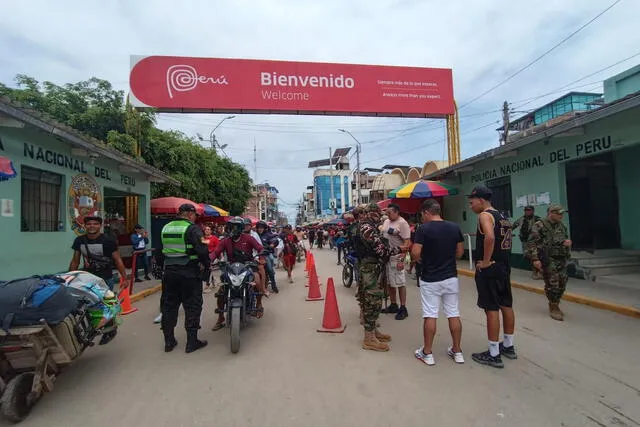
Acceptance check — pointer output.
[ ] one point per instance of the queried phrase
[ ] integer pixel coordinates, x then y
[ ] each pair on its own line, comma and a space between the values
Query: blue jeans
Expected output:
271, 259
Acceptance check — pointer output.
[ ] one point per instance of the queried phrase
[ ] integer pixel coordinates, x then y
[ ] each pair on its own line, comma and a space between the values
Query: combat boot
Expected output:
193, 343
370, 342
382, 337
555, 313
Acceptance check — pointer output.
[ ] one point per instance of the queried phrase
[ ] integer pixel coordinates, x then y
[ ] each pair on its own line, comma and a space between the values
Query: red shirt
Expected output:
212, 242
245, 244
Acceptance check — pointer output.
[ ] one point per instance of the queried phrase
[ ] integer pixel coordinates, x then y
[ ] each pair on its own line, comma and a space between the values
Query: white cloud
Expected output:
483, 41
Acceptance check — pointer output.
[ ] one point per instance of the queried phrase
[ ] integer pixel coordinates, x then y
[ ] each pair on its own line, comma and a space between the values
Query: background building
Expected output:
586, 160
263, 203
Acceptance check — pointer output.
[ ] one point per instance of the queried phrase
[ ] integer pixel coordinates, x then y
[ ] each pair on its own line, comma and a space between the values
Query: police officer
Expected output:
373, 251
186, 259
549, 248
525, 223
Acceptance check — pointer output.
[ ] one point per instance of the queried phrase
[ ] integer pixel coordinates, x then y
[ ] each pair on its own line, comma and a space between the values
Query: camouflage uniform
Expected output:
545, 245
526, 224
377, 252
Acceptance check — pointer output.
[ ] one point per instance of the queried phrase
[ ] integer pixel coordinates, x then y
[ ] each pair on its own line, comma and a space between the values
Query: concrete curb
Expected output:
147, 292
568, 296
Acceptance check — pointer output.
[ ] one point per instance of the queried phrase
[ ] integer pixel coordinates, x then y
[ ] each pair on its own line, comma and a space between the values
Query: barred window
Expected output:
502, 199
40, 200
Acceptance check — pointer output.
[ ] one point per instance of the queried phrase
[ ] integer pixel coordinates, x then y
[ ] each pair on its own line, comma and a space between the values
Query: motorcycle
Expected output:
349, 270
238, 282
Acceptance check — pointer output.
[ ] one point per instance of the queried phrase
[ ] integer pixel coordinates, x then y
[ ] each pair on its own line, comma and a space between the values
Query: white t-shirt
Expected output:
402, 231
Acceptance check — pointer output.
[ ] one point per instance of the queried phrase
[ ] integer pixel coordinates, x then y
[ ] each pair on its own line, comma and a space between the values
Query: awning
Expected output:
170, 205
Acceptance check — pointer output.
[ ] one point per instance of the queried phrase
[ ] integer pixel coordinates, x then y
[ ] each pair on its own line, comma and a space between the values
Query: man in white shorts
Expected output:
438, 244
397, 231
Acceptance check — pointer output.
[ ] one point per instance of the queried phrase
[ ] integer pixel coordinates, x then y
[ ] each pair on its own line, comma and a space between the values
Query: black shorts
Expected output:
494, 287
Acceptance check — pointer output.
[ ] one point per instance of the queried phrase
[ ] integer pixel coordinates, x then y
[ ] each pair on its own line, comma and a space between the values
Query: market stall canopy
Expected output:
422, 189
384, 204
170, 205
211, 210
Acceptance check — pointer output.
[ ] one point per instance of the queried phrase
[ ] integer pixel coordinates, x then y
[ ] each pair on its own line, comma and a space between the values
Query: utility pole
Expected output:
333, 209
255, 178
358, 149
505, 122
359, 197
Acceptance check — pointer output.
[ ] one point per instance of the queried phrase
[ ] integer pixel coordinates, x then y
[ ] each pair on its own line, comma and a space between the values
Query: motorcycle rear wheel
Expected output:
235, 329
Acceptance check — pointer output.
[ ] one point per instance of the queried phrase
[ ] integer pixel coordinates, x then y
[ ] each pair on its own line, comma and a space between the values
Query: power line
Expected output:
554, 47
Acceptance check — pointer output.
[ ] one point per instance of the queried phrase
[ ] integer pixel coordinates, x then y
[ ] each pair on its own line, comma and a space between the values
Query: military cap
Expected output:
558, 209
373, 207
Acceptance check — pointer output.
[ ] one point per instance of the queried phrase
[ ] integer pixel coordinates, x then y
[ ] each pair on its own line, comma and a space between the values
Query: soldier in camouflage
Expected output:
525, 223
373, 252
549, 249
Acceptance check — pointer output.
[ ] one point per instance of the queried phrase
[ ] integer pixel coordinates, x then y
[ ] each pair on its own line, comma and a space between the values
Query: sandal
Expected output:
219, 325
259, 312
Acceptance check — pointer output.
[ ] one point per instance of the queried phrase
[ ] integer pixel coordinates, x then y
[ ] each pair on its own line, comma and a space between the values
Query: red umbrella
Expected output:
170, 205
384, 203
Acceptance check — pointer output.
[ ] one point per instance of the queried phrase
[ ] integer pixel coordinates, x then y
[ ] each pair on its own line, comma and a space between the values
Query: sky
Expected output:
484, 42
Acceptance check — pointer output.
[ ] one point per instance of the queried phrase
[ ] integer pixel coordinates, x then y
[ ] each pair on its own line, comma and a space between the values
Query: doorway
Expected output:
592, 199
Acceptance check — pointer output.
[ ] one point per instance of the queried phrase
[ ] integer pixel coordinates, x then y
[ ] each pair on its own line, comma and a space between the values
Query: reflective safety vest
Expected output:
173, 241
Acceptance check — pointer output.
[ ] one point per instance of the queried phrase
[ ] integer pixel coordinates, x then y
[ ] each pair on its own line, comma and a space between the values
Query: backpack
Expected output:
30, 300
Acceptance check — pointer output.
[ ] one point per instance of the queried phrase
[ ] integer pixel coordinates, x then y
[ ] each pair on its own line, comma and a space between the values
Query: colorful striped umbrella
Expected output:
211, 210
422, 189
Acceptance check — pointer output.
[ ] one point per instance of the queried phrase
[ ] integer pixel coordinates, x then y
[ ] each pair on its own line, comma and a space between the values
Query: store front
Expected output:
589, 165
61, 177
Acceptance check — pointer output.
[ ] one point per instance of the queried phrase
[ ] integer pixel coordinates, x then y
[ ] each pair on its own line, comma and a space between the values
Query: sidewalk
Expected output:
615, 293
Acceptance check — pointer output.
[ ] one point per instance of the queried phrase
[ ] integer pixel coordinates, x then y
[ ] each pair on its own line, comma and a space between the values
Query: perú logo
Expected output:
183, 78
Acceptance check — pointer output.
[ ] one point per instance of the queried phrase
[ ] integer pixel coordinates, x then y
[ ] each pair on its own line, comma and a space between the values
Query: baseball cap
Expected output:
529, 208
137, 227
555, 208
480, 192
187, 207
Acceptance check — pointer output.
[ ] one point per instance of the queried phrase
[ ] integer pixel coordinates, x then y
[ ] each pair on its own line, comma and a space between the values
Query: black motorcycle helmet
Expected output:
237, 227
262, 224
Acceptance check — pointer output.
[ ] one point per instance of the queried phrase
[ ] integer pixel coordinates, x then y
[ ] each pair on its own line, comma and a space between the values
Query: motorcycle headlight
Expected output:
236, 281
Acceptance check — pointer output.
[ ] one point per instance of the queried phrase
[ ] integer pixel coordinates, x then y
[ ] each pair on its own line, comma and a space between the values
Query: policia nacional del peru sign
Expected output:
75, 165
581, 149
179, 84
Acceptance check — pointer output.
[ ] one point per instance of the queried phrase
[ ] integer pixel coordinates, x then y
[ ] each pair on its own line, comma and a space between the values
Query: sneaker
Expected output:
427, 359
137, 280
486, 358
402, 313
392, 309
275, 290
147, 277
457, 357
508, 352
158, 318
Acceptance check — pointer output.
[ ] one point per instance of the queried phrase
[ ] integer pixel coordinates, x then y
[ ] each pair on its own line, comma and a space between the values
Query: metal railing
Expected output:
470, 248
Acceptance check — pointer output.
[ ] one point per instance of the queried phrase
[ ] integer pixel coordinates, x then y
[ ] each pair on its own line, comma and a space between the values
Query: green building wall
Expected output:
620, 133
27, 253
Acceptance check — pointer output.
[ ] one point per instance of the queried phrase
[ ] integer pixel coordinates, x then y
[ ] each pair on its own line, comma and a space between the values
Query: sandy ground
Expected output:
580, 372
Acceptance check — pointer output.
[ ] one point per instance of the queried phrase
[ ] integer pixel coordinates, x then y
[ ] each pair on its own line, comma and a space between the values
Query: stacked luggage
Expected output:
78, 307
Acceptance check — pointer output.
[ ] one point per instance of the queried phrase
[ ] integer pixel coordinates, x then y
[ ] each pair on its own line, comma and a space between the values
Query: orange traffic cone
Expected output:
125, 302
314, 287
331, 320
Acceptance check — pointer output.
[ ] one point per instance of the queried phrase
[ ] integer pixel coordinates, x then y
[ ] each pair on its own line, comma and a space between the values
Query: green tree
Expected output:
98, 110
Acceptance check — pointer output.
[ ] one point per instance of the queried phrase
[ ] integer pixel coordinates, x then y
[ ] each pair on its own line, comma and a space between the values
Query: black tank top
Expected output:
502, 232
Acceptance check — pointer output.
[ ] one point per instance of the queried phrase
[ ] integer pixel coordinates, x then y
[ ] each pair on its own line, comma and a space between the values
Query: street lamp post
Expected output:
358, 148
212, 136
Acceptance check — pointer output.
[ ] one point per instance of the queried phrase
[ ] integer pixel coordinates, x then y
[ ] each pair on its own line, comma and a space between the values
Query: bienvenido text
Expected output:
290, 81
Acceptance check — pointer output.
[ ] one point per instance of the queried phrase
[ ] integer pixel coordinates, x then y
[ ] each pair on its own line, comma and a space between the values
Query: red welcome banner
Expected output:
255, 86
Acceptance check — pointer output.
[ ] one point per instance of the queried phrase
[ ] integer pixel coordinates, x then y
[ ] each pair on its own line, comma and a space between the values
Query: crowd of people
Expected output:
384, 245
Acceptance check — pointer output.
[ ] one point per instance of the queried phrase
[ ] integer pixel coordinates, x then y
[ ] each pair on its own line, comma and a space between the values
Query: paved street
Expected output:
581, 372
